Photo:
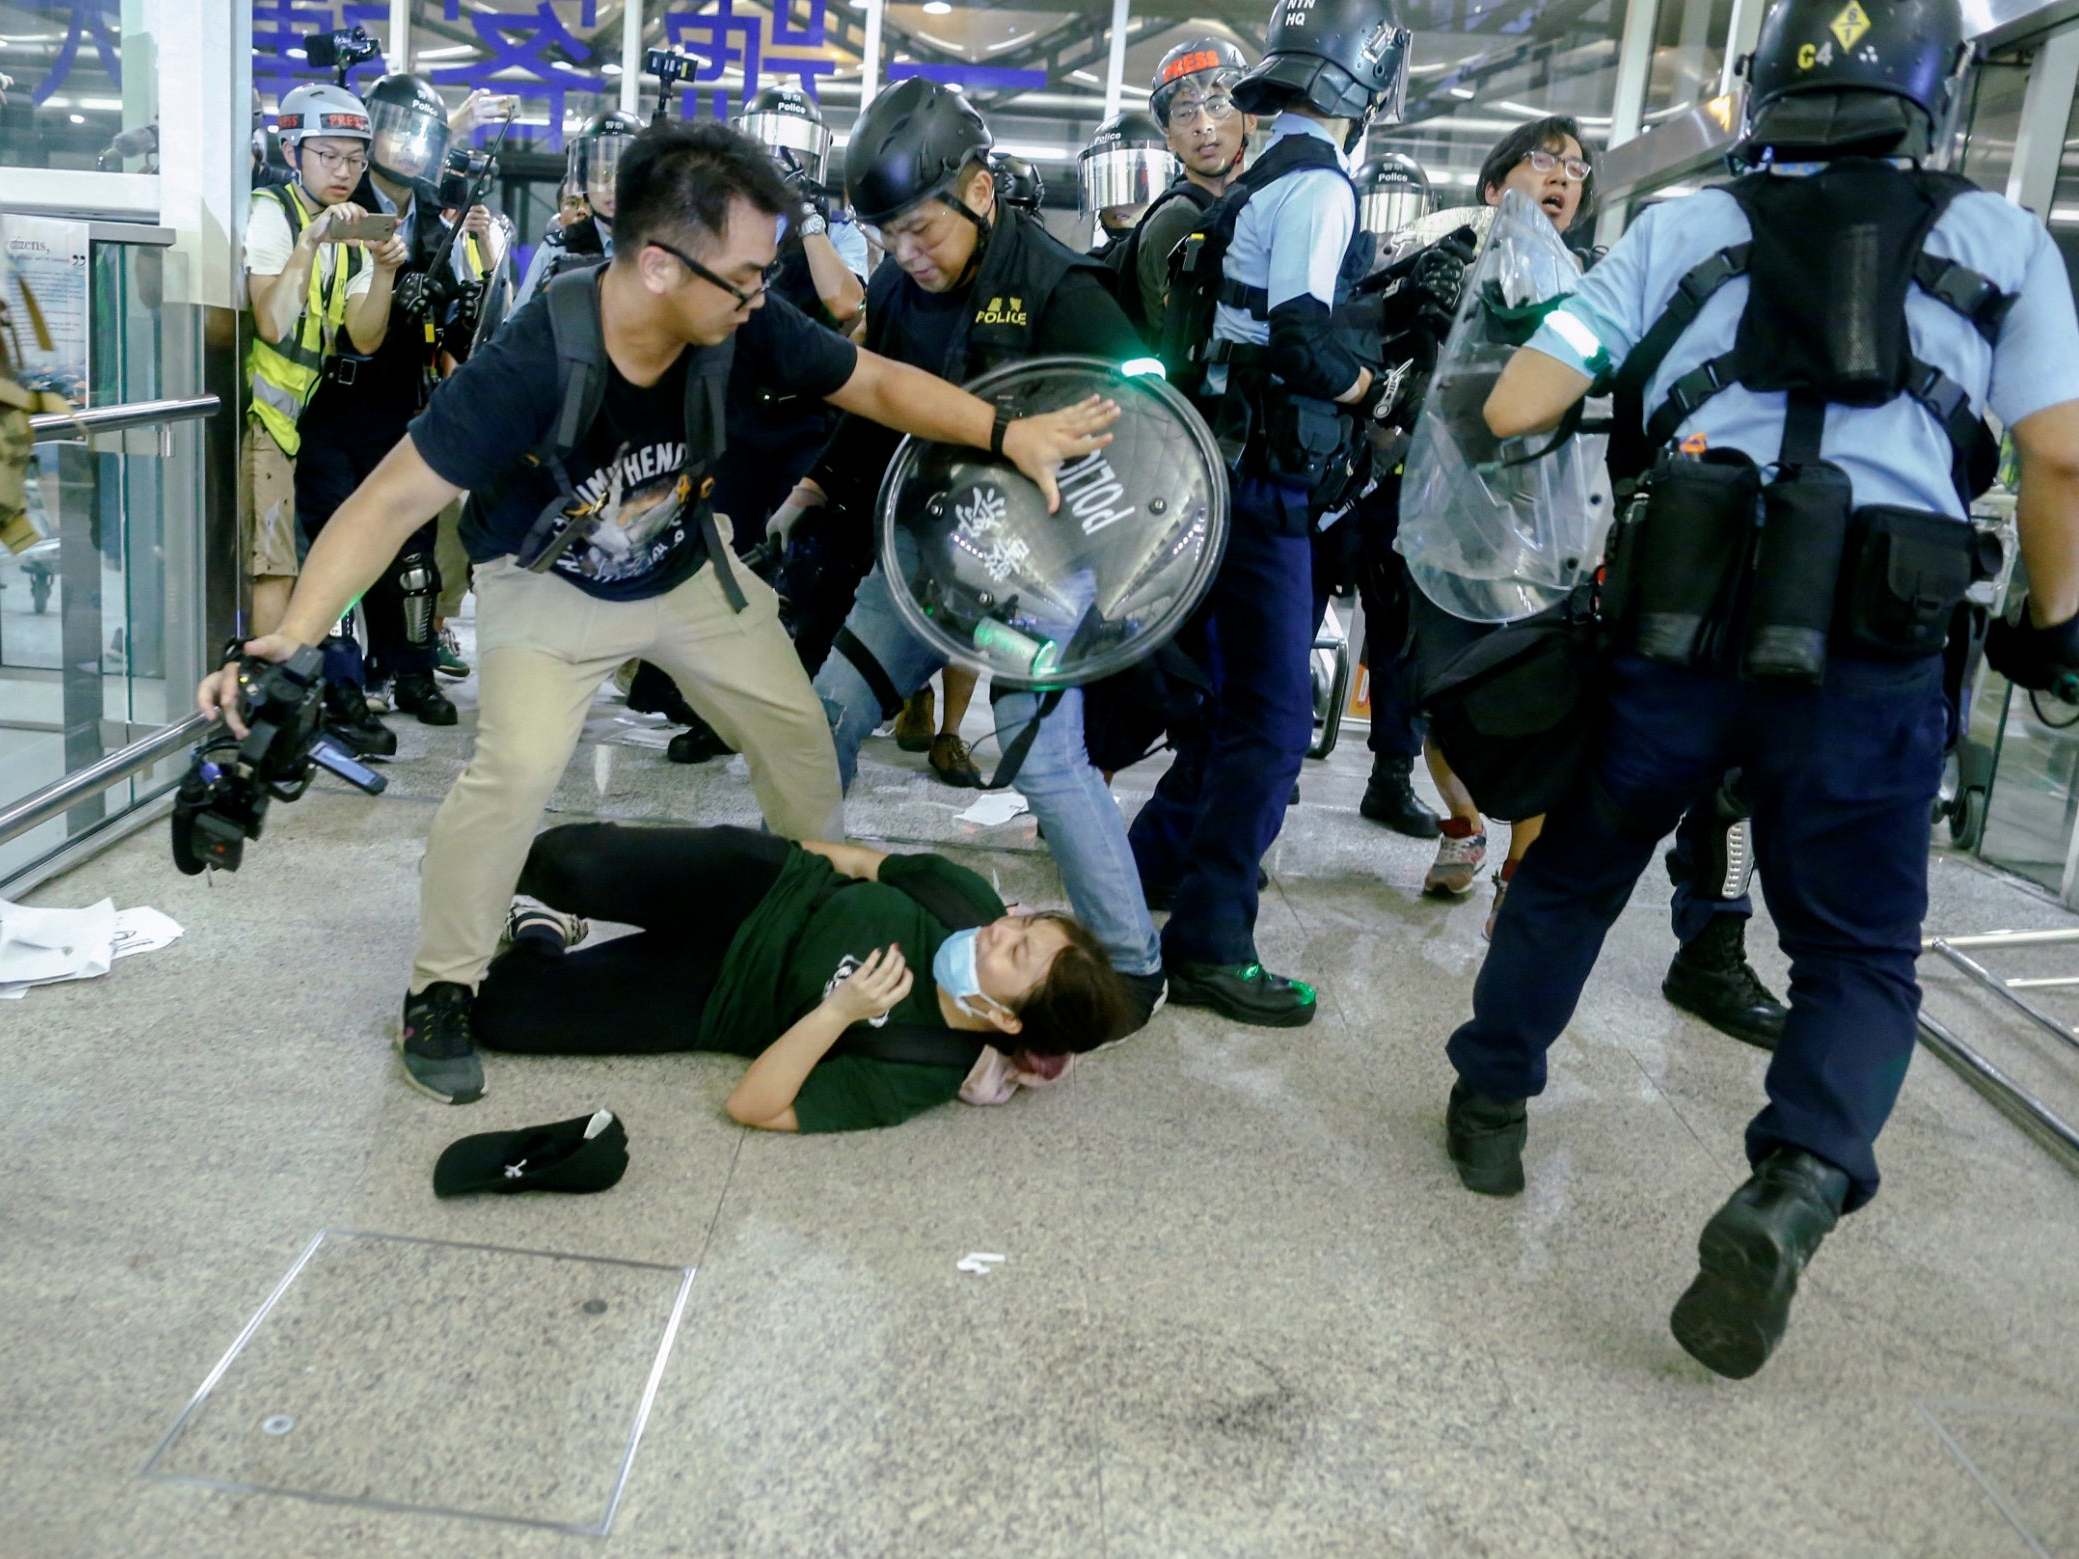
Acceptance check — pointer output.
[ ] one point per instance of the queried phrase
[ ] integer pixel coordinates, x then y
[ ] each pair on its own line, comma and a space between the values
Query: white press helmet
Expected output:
322, 109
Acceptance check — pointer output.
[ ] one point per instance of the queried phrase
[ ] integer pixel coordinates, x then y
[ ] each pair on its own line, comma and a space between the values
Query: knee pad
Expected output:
418, 582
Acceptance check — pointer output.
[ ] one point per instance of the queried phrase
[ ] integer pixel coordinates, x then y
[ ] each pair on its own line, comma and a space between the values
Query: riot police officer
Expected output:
1282, 388
1125, 166
590, 162
973, 285
1192, 98
361, 409
1762, 339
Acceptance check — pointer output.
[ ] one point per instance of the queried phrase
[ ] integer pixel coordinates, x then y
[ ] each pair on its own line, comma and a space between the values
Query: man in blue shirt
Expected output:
1808, 349
1284, 390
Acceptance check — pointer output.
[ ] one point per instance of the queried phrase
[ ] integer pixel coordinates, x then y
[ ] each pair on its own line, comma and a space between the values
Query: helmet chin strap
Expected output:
982, 231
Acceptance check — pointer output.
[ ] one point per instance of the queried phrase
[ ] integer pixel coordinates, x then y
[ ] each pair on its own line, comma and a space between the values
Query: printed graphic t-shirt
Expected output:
630, 466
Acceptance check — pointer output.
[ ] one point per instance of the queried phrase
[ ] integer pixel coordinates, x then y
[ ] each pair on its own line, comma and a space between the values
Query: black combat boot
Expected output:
1390, 799
418, 694
1734, 1313
1485, 1139
1711, 978
347, 721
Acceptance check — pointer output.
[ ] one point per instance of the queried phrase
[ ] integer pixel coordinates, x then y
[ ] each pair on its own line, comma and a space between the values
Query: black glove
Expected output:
1438, 279
813, 215
2043, 659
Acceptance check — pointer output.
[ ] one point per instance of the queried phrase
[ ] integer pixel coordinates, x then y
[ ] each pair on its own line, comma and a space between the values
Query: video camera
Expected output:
342, 49
460, 176
223, 798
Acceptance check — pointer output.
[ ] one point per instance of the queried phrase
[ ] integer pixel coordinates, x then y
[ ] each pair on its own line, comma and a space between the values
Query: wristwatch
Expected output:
812, 223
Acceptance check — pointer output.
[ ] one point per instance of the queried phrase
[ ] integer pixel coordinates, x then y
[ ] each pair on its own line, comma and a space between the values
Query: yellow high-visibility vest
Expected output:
284, 374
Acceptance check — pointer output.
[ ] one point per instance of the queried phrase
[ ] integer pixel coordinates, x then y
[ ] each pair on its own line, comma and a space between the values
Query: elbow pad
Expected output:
1306, 352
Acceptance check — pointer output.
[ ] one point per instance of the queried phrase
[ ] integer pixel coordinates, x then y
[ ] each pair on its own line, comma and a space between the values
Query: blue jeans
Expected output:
1221, 803
1069, 797
1841, 778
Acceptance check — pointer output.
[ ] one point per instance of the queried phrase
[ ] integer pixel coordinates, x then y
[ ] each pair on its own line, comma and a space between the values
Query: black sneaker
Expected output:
1390, 799
697, 745
348, 722
1735, 1312
1247, 993
1711, 978
1485, 1139
420, 695
435, 1043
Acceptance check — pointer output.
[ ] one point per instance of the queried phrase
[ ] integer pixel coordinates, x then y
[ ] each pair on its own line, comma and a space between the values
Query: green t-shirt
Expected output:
804, 957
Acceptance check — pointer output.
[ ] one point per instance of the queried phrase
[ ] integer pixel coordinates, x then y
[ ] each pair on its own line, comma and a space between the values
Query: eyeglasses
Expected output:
1577, 168
1217, 108
333, 162
918, 230
744, 299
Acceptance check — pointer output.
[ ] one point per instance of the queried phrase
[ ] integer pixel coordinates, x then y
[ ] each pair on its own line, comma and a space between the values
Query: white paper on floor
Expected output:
980, 1263
995, 808
44, 946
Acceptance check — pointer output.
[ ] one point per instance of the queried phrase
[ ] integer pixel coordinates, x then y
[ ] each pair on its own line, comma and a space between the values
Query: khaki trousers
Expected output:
452, 560
543, 649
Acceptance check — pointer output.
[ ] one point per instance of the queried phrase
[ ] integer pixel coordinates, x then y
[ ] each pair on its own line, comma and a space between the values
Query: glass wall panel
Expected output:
79, 85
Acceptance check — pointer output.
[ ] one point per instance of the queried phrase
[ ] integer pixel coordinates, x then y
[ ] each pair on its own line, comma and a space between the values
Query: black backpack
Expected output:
1122, 261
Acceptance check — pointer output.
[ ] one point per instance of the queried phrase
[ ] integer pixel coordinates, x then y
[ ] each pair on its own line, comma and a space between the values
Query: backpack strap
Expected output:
707, 429
581, 366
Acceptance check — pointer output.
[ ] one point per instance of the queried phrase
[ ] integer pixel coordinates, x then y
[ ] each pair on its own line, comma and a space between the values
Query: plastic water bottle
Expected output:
1000, 641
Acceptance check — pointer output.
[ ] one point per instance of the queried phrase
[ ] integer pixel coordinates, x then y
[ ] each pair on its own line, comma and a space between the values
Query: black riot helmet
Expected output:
789, 125
1018, 181
411, 127
909, 146
1392, 191
1345, 59
1828, 79
1216, 60
593, 157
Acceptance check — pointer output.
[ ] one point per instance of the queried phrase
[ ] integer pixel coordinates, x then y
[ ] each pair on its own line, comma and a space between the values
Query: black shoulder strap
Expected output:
707, 430
580, 363
912, 1044
581, 367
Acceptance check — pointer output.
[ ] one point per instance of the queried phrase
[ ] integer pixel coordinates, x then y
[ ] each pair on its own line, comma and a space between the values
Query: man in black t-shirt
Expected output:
646, 572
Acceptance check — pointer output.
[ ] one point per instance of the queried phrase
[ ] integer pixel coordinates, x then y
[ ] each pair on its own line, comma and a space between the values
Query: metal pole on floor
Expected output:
2024, 1107
1998, 987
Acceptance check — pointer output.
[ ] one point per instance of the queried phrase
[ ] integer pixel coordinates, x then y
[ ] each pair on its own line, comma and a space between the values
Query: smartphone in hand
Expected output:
374, 227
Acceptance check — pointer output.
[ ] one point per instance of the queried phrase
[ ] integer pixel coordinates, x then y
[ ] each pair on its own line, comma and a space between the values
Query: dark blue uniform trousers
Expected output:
1841, 778
1220, 806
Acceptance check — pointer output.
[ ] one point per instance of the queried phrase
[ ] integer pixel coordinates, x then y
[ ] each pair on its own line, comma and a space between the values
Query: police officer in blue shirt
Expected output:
1283, 389
1808, 350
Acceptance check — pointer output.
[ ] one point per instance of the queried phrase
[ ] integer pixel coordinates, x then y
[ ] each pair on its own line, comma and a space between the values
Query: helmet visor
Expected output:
798, 145
410, 139
594, 162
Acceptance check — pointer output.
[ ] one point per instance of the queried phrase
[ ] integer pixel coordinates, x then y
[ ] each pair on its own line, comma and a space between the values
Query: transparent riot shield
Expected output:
1497, 530
984, 574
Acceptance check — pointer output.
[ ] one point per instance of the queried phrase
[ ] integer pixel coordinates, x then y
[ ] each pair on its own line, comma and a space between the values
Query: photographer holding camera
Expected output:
305, 284
587, 433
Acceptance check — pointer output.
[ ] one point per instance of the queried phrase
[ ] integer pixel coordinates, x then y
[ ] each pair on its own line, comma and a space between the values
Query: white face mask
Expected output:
953, 967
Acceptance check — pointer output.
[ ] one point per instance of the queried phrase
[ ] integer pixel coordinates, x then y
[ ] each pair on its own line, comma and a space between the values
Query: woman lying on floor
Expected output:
892, 982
